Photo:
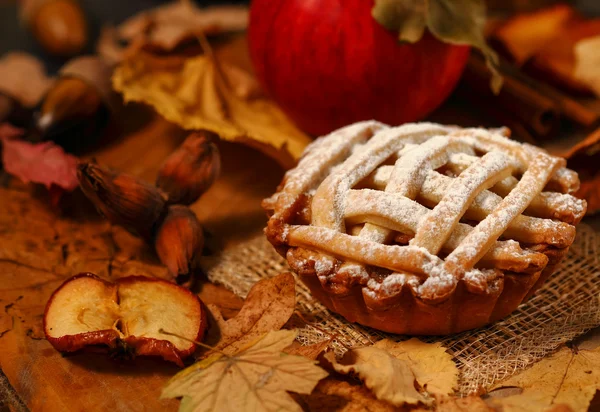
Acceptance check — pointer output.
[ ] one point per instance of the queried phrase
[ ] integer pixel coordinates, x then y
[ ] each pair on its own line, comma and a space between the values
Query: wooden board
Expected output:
41, 247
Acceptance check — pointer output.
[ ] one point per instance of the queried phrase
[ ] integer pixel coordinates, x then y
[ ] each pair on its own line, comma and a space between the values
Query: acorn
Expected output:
123, 199
78, 106
59, 26
179, 241
191, 169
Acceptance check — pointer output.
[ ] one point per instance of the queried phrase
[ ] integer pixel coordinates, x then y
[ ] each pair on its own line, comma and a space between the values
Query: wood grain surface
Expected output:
40, 247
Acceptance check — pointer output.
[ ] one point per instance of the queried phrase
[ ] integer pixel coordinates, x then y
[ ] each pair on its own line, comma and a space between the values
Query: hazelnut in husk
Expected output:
123, 199
179, 240
191, 169
59, 25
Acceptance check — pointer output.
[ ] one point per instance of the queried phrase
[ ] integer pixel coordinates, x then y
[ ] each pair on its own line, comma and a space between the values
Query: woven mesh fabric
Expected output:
565, 307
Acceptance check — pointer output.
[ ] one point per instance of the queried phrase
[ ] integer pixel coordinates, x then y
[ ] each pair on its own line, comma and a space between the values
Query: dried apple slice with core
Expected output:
127, 314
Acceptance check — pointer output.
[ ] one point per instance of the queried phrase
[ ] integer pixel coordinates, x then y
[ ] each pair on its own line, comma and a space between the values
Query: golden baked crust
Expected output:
423, 228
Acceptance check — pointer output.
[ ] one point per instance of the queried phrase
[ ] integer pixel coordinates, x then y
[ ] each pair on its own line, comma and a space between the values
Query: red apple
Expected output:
125, 316
328, 63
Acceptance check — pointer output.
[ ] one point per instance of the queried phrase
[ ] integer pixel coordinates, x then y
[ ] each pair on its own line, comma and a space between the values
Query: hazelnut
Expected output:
191, 169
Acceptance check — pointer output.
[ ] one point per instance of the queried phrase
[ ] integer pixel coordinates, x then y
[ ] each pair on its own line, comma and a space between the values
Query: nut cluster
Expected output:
160, 215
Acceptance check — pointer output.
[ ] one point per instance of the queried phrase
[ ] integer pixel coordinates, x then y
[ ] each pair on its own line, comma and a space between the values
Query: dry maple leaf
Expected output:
218, 97
341, 396
389, 379
268, 306
569, 377
255, 379
433, 367
452, 404
308, 351
390, 370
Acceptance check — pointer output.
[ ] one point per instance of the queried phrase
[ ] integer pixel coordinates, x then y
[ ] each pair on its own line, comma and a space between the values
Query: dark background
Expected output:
13, 36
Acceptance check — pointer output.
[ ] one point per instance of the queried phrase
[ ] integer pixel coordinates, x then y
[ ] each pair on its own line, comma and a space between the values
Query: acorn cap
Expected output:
95, 71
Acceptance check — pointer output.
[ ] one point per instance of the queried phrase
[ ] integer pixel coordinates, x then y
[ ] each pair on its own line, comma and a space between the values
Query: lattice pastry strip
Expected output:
400, 214
549, 205
478, 242
329, 196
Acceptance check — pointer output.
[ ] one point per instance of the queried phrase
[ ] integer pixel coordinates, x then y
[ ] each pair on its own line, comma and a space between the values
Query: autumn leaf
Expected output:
341, 396
255, 379
168, 26
44, 163
587, 63
469, 403
222, 98
390, 379
268, 306
390, 370
567, 377
433, 367
308, 351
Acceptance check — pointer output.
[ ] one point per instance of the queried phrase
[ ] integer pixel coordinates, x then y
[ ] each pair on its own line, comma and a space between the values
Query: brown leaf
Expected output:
433, 367
308, 351
587, 62
166, 27
470, 403
268, 306
569, 377
544, 41
525, 34
389, 379
40, 249
332, 395
257, 378
23, 77
221, 98
390, 370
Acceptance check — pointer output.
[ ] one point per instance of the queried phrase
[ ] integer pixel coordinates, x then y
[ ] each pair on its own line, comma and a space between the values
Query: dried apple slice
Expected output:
126, 315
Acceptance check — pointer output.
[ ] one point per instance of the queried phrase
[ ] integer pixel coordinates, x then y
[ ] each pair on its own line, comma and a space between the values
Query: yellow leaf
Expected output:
433, 367
221, 98
268, 306
389, 379
567, 377
390, 370
255, 379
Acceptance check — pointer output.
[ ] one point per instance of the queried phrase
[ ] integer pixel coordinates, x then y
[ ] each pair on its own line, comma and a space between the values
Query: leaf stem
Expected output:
202, 345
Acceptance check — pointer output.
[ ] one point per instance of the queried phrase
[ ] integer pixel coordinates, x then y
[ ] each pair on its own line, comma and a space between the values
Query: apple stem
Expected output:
203, 345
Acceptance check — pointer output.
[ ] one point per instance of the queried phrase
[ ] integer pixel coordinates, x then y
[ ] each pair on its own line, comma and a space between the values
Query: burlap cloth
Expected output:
567, 306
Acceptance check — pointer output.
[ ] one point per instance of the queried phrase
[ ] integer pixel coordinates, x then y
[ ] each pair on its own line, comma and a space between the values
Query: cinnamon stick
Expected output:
529, 106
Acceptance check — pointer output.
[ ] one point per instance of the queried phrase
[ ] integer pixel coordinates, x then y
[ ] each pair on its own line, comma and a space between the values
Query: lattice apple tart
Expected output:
423, 228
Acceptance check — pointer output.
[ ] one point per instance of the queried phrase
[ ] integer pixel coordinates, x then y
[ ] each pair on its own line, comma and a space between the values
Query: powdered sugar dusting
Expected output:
463, 213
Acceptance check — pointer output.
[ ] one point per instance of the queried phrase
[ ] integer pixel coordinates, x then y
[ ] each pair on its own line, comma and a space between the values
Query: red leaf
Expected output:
44, 163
